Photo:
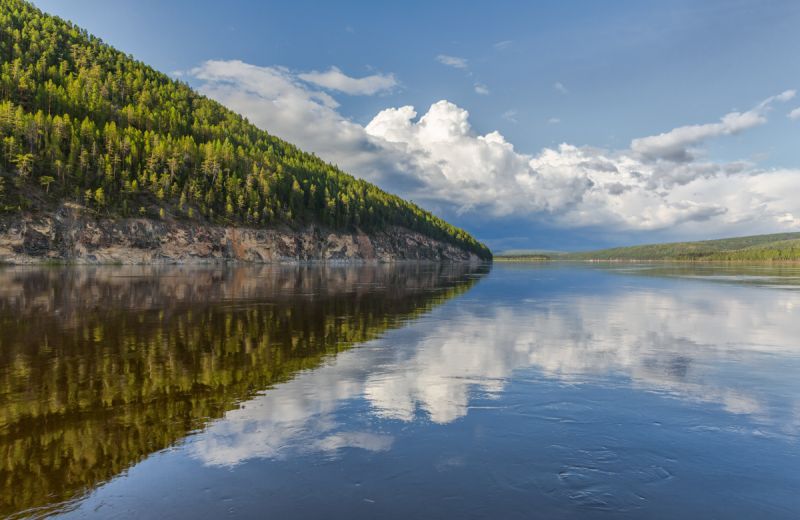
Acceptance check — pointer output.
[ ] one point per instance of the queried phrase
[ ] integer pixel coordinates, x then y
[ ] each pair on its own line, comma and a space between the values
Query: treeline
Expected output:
84, 122
780, 251
523, 258
775, 247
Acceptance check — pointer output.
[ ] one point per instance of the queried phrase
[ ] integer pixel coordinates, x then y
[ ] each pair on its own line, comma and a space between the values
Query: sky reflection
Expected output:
726, 346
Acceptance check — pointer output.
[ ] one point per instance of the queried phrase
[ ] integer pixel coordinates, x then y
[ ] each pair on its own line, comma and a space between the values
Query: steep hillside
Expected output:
84, 124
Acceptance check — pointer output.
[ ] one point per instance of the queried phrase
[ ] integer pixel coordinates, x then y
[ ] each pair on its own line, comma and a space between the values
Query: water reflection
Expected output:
719, 345
783, 276
567, 390
101, 367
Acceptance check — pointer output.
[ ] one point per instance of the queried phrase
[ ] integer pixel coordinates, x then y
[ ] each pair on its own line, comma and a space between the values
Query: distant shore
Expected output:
773, 248
555, 260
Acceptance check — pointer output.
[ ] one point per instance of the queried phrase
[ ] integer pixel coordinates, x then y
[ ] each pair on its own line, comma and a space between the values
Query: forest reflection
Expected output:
99, 367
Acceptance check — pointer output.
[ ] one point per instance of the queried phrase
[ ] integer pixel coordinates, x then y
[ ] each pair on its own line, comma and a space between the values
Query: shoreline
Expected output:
644, 261
201, 262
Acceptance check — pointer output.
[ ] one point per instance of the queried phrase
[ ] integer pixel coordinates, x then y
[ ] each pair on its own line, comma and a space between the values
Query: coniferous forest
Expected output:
81, 121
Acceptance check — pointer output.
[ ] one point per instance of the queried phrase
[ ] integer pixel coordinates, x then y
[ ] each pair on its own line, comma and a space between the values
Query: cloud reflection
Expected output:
699, 342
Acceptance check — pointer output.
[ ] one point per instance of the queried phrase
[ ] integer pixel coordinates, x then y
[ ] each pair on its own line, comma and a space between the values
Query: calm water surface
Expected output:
520, 391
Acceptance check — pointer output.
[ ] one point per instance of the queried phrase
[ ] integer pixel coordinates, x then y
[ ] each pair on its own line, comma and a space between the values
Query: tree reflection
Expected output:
101, 367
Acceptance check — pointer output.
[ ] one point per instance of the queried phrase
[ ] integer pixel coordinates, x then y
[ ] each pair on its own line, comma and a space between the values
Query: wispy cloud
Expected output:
676, 144
559, 87
553, 121
481, 89
794, 114
505, 44
510, 115
335, 79
452, 61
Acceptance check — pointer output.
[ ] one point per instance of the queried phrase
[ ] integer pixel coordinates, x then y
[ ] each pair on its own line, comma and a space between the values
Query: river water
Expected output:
516, 391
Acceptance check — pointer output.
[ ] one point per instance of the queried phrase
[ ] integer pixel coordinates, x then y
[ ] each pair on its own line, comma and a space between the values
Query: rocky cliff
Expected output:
70, 234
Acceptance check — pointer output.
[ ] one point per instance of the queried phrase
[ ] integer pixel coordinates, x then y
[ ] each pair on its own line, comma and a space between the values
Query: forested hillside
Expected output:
775, 247
83, 122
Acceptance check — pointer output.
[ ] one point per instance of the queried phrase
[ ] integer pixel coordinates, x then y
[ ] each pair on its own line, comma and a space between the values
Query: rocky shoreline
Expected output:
71, 235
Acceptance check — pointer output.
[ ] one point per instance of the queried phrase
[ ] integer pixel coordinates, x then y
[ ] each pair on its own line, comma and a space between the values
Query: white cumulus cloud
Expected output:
794, 114
436, 158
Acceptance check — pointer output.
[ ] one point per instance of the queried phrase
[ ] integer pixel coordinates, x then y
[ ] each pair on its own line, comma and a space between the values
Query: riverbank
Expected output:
69, 235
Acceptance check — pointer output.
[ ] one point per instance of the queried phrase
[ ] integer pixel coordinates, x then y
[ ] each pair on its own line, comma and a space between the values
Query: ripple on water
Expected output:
609, 479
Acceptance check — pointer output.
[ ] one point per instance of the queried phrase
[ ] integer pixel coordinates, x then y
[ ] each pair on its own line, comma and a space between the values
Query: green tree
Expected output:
100, 197
45, 181
24, 163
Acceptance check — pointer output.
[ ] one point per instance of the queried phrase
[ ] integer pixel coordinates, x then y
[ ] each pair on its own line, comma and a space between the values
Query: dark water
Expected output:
400, 392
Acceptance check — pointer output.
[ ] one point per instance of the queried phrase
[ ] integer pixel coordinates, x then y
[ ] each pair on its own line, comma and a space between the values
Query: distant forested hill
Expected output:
776, 247
83, 122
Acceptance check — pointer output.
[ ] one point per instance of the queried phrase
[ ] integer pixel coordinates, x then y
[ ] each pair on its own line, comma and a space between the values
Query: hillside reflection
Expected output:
100, 367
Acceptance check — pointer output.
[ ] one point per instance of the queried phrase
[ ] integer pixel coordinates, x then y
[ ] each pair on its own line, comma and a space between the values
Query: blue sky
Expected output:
552, 125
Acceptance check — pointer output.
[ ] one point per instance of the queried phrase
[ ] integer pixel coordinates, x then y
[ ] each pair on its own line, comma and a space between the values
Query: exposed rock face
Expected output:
69, 235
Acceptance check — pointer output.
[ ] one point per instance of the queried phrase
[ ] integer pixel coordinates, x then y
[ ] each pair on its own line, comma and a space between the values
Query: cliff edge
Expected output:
72, 235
